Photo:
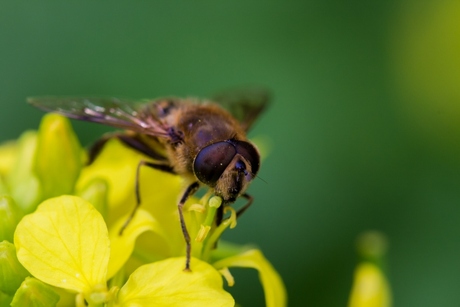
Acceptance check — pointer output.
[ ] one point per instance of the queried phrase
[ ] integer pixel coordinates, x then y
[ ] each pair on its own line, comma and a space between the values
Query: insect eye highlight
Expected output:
212, 160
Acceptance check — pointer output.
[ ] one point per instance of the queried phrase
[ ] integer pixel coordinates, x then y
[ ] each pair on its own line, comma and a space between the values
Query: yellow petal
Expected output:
165, 283
122, 245
116, 165
275, 292
64, 243
160, 191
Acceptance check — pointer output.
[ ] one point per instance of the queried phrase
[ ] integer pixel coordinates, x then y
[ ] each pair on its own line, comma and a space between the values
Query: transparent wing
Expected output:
120, 113
245, 104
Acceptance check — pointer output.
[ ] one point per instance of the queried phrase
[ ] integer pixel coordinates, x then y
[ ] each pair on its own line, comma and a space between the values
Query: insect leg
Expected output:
220, 214
246, 206
133, 141
161, 167
220, 210
188, 192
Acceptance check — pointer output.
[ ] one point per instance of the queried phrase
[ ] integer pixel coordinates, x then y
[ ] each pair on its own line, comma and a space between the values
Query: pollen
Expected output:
197, 208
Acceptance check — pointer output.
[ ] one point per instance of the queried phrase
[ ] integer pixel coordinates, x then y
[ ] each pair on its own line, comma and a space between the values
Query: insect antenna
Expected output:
260, 178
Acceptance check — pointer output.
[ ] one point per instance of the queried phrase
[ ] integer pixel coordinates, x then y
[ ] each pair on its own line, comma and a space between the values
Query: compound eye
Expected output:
250, 153
212, 160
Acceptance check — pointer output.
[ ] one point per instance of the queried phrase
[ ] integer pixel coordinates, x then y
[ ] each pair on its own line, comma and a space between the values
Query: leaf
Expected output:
65, 244
164, 283
275, 292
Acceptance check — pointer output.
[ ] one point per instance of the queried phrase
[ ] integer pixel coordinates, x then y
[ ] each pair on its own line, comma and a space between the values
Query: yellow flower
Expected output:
73, 242
76, 257
160, 193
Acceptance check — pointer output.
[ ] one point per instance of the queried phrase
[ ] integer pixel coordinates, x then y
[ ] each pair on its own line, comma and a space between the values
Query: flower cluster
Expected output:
60, 221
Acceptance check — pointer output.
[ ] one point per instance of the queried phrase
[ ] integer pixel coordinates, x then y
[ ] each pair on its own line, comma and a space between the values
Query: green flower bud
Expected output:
3, 188
8, 154
10, 215
22, 182
59, 156
35, 293
372, 246
12, 273
96, 193
5, 299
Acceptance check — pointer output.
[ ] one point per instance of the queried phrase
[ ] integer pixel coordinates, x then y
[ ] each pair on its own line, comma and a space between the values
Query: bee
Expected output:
204, 141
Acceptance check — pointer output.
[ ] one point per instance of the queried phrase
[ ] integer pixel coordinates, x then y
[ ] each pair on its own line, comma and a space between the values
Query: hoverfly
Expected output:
202, 140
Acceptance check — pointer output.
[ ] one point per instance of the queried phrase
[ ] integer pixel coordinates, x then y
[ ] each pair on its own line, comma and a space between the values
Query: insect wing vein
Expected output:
109, 111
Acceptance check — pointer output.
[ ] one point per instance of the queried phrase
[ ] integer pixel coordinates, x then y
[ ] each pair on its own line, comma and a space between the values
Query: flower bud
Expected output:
22, 182
35, 293
372, 246
96, 193
8, 154
10, 215
12, 272
5, 299
370, 285
59, 156
3, 187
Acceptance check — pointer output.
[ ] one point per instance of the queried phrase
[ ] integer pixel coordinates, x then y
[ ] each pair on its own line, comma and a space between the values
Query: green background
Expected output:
364, 125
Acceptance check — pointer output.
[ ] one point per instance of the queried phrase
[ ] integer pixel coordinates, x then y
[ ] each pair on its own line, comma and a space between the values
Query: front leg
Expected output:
250, 199
188, 247
161, 167
239, 212
191, 189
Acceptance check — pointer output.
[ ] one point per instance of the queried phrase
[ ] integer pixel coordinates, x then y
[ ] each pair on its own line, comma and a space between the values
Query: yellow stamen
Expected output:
228, 276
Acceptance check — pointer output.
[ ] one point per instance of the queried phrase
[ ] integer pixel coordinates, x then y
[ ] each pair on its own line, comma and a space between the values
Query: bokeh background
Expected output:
364, 126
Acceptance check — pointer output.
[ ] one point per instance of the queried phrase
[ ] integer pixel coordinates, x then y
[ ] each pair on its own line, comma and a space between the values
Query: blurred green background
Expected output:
364, 124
